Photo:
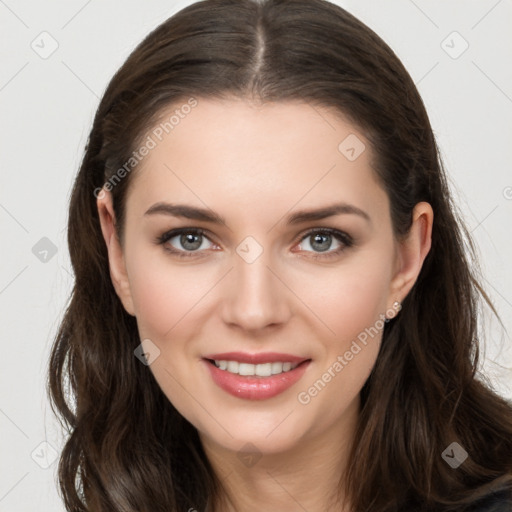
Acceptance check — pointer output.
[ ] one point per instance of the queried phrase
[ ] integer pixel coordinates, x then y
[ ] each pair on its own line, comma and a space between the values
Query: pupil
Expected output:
318, 238
188, 239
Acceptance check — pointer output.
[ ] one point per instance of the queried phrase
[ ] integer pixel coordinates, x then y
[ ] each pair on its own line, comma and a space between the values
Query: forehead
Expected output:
240, 155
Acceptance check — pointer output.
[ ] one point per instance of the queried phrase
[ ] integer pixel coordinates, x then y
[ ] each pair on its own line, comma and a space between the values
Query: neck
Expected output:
307, 477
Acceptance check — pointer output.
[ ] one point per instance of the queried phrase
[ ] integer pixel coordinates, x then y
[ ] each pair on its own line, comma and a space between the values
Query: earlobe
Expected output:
118, 273
412, 251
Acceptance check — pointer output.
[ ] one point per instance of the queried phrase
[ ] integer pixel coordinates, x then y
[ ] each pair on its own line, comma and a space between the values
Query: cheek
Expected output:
352, 305
165, 295
167, 300
349, 299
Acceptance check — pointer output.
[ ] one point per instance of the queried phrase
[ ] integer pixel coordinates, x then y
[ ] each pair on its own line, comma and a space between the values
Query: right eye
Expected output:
191, 240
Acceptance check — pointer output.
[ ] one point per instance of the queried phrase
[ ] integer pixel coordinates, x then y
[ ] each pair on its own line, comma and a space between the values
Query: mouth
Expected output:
258, 370
255, 376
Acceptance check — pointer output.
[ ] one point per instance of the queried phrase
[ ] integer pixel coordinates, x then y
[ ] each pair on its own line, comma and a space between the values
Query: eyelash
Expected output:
342, 237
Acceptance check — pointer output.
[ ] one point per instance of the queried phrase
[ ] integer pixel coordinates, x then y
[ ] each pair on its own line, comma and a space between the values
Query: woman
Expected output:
273, 308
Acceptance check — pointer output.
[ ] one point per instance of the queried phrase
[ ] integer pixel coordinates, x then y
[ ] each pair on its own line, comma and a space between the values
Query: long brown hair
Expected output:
129, 449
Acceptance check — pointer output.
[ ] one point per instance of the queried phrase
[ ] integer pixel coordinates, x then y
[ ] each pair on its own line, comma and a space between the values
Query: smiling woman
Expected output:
273, 307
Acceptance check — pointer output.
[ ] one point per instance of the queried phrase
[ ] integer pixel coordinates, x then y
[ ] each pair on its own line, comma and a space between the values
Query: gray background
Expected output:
47, 106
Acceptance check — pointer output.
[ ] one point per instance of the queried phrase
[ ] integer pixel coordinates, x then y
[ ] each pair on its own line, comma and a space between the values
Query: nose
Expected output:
255, 297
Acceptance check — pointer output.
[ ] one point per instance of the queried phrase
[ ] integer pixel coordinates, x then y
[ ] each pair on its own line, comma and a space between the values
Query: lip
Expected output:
255, 388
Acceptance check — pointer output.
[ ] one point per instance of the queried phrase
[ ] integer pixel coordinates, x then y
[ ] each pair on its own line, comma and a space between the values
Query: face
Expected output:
269, 283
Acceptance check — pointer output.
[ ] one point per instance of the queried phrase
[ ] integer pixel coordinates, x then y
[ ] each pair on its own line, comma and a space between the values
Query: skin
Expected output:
254, 165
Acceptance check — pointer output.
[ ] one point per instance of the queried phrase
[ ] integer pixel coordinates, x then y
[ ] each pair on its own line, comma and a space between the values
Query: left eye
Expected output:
319, 241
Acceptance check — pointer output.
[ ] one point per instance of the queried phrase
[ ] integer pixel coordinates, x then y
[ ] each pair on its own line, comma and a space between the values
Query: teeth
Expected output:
260, 370
276, 368
232, 366
263, 370
246, 369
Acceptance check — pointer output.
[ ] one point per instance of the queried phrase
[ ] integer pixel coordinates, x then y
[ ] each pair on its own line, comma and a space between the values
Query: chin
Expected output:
269, 431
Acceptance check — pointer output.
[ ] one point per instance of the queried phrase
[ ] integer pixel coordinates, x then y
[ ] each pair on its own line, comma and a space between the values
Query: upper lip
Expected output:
262, 357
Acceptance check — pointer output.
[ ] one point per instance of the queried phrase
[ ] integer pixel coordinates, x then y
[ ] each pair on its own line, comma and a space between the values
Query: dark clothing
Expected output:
498, 501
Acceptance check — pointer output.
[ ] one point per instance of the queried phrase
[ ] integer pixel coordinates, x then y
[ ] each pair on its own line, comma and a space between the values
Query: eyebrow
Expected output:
299, 217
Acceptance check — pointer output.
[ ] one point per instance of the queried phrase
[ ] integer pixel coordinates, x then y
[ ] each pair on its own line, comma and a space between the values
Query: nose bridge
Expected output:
256, 297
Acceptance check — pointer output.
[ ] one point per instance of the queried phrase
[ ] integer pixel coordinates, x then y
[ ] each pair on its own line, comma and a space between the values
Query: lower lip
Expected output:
255, 388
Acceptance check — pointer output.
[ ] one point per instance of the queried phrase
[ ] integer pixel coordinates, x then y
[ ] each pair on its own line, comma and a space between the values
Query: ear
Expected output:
118, 272
411, 252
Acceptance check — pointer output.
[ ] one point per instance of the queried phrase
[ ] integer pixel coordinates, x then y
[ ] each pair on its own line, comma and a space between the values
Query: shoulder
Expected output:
498, 501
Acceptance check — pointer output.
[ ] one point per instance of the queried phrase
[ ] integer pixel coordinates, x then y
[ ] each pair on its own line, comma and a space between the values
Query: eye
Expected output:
321, 239
190, 242
184, 242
